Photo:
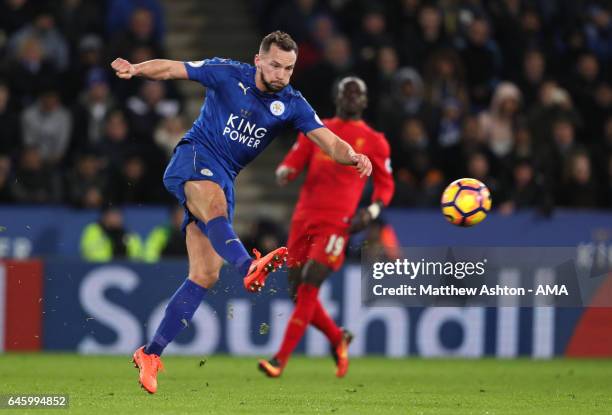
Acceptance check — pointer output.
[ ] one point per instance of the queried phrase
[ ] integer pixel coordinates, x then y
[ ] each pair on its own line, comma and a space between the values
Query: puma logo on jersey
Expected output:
244, 88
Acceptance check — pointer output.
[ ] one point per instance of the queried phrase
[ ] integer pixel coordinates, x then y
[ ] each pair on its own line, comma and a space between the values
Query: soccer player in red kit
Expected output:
324, 218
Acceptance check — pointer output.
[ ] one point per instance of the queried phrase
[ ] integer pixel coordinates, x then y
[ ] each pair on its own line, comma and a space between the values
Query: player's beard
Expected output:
269, 86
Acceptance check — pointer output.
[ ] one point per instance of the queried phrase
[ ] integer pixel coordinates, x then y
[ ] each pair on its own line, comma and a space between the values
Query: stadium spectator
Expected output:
14, 15
524, 190
387, 64
582, 87
427, 38
585, 190
506, 21
77, 18
523, 144
296, 17
166, 241
129, 184
120, 13
405, 101
608, 190
444, 78
107, 239
10, 130
449, 127
381, 240
337, 63
532, 76
452, 159
5, 176
42, 27
140, 32
478, 167
380, 74
498, 123
146, 109
598, 32
603, 109
116, 142
168, 133
90, 112
34, 181
419, 181
482, 62
323, 29
372, 36
89, 56
87, 182
553, 103
47, 124
29, 73
564, 145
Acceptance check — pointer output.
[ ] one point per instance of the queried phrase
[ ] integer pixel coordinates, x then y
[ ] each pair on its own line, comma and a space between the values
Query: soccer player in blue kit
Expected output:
246, 106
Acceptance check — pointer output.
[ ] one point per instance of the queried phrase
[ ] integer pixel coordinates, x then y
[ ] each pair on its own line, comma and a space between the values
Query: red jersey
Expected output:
332, 191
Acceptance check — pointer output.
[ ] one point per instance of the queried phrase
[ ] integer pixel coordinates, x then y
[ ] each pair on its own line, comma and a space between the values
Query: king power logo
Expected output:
244, 132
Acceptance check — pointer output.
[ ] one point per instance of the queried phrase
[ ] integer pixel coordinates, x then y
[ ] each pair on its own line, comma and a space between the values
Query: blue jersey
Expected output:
238, 121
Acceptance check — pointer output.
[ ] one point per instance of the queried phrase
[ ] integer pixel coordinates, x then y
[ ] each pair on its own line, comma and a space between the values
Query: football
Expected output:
466, 202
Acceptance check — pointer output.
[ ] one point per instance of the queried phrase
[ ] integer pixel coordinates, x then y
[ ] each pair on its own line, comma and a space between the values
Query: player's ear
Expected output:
257, 60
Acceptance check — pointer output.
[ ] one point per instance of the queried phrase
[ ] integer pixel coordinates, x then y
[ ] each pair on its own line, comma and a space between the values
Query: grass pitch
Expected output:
231, 385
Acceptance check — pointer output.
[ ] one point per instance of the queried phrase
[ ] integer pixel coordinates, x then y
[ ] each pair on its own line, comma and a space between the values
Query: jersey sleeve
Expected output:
299, 156
210, 72
305, 119
384, 186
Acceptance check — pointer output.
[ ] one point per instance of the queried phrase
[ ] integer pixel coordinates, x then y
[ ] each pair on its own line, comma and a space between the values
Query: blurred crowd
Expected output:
70, 132
516, 93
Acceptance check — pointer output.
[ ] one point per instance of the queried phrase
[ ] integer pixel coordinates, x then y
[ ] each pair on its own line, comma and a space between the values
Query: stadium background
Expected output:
514, 93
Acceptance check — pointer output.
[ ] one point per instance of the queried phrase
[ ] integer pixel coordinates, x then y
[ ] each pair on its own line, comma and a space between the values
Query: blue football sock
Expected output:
226, 243
179, 312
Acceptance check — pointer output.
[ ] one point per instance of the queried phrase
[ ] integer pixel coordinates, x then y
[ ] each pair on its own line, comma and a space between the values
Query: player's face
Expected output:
275, 68
351, 100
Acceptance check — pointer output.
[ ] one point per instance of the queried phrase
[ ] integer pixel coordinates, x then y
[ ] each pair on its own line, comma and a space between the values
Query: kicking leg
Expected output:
206, 200
204, 267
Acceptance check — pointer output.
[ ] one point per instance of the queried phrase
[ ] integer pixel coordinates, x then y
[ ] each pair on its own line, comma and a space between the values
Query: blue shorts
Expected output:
192, 161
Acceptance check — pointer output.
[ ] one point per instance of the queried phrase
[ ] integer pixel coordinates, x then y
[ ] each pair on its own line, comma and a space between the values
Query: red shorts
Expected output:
322, 242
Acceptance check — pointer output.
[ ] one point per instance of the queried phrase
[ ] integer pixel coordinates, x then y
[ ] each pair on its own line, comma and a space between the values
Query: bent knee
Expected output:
205, 279
207, 198
314, 273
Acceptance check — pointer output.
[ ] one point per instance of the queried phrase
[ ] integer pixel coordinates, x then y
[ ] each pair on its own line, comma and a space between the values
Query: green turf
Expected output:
229, 385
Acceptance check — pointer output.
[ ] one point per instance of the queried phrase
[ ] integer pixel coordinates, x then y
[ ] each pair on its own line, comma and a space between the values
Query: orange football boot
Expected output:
148, 365
262, 267
340, 353
272, 368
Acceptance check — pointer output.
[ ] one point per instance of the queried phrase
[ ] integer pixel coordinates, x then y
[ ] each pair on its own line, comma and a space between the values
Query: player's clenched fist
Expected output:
123, 69
362, 164
283, 175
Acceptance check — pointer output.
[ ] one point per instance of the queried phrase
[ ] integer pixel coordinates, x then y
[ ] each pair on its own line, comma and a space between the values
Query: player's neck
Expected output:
259, 84
348, 117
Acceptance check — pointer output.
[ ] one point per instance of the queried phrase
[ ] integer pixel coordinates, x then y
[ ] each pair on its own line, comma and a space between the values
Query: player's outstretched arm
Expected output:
156, 69
340, 150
